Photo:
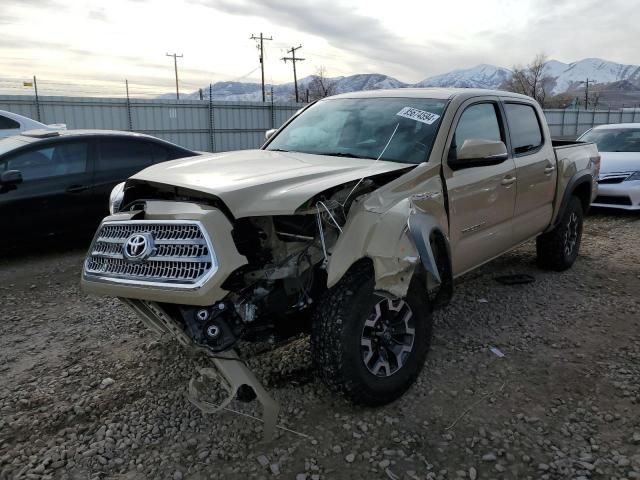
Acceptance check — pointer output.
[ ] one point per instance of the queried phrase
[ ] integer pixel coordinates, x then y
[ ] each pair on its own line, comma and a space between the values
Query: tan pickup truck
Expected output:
351, 222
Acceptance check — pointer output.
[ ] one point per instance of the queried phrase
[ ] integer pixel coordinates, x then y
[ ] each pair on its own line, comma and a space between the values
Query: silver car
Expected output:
619, 181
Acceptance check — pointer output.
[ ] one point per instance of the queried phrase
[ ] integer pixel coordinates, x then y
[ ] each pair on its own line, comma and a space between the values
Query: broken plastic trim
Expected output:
230, 372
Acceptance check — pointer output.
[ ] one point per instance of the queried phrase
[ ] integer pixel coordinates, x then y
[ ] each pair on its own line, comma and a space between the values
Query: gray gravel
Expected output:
87, 392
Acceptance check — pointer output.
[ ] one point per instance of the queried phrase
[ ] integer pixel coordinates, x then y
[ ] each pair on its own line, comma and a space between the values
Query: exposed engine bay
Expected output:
270, 297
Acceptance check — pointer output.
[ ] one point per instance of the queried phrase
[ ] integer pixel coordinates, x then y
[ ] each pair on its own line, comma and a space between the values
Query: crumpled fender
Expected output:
381, 237
386, 236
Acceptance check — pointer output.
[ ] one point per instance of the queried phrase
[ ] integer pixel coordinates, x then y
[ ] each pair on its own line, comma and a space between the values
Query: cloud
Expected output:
98, 15
342, 27
571, 31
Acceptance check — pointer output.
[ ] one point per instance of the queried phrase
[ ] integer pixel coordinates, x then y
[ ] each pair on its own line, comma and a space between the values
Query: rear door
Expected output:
481, 198
8, 127
535, 169
55, 191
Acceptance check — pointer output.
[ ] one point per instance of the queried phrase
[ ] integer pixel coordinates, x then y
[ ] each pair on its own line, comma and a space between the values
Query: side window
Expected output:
123, 154
524, 127
478, 122
50, 161
8, 123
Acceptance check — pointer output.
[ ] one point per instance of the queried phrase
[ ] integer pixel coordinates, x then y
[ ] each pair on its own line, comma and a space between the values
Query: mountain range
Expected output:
564, 77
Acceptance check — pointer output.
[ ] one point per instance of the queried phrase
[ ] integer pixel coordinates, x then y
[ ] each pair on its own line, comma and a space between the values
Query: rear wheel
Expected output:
368, 347
558, 249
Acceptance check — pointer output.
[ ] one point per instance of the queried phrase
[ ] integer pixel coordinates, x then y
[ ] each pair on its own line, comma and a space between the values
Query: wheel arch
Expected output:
434, 251
581, 186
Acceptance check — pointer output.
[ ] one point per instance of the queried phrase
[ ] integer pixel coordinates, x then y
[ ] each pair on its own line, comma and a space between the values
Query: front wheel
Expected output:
558, 249
368, 347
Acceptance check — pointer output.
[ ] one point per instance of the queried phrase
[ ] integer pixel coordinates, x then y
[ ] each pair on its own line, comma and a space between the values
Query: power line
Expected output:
261, 48
175, 66
293, 60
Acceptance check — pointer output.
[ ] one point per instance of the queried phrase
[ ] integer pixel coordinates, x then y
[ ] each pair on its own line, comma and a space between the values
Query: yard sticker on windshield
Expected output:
418, 115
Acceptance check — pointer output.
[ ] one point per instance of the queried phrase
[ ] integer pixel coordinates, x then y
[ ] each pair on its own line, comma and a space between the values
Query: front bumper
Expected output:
205, 292
624, 195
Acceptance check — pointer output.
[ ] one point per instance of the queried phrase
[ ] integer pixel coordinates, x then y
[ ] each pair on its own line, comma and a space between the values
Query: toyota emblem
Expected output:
138, 246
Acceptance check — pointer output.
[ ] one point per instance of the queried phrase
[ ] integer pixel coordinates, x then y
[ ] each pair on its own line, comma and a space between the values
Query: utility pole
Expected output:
294, 60
175, 66
586, 94
262, 38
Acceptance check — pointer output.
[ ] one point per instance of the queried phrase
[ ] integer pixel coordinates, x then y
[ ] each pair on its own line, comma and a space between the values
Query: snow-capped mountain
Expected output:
564, 77
239, 91
567, 76
480, 76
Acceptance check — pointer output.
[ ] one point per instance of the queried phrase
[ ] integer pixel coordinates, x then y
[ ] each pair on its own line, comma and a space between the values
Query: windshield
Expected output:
614, 139
394, 129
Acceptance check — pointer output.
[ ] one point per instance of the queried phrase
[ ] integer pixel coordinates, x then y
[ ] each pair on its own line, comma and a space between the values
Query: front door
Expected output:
481, 198
54, 193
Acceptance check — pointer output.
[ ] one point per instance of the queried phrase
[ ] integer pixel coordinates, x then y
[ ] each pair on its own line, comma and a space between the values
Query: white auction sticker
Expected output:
418, 115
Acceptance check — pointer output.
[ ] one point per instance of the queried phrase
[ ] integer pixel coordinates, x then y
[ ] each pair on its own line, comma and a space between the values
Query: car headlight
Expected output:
633, 176
115, 198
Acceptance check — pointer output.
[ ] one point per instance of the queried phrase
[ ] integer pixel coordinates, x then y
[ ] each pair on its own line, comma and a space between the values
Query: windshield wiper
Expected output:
278, 150
342, 154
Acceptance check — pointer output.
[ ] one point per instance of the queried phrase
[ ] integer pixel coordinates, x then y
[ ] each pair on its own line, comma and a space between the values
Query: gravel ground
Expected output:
87, 392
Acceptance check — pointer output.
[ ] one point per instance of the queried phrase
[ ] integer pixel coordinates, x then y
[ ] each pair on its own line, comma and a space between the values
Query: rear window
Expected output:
119, 154
524, 127
8, 124
614, 139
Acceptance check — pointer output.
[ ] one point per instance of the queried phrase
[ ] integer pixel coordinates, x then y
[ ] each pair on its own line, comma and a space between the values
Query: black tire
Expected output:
338, 331
558, 249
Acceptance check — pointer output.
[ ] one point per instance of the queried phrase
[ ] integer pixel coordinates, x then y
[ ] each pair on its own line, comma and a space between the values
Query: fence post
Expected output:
577, 121
35, 88
273, 111
126, 84
211, 134
564, 114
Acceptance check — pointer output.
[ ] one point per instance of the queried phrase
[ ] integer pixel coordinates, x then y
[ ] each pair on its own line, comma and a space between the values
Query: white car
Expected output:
619, 181
14, 124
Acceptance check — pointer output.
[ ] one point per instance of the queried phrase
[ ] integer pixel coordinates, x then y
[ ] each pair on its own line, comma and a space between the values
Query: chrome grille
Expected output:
182, 254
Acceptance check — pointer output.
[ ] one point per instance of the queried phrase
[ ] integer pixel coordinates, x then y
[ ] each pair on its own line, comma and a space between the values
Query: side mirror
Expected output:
11, 177
269, 133
477, 153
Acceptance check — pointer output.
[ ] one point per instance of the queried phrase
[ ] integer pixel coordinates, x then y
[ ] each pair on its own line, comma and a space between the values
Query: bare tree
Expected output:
321, 86
531, 80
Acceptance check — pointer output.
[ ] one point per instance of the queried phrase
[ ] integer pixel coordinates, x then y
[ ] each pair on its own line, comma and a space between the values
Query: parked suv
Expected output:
57, 181
356, 215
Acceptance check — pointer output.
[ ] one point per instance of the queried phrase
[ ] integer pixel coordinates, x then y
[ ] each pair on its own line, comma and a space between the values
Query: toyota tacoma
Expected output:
351, 222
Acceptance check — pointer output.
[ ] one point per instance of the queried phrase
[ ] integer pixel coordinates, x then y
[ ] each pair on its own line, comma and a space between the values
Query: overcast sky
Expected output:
99, 43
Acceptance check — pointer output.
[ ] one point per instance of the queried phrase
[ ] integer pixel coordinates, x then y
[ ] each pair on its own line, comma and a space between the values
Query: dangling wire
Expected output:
371, 166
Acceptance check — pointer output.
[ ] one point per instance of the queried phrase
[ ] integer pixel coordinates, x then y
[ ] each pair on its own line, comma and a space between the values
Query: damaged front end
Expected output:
188, 268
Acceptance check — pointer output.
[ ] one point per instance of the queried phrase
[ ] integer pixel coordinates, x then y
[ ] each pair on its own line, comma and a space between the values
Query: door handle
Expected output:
549, 169
77, 188
508, 180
